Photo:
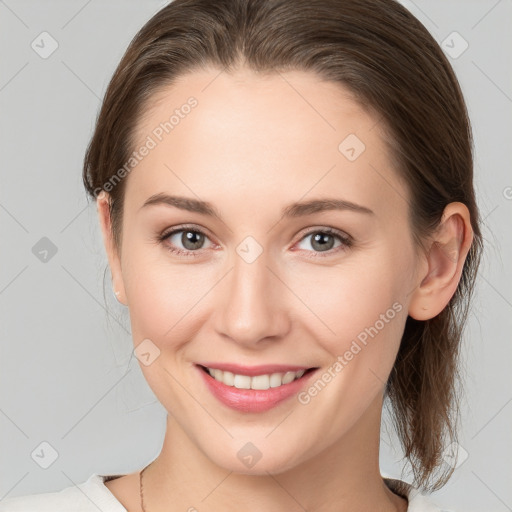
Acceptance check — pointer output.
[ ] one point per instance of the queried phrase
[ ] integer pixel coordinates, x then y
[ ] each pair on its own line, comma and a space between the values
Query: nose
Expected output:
252, 303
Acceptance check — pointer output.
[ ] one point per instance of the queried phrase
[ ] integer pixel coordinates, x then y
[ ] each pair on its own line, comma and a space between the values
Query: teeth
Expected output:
263, 382
242, 382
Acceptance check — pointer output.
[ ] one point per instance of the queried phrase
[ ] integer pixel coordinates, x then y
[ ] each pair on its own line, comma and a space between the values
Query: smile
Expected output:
265, 381
254, 393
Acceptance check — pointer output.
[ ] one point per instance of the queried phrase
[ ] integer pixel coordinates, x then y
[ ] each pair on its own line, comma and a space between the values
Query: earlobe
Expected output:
103, 207
449, 247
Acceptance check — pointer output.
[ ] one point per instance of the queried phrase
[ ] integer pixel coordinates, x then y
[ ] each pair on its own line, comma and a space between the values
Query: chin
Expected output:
249, 460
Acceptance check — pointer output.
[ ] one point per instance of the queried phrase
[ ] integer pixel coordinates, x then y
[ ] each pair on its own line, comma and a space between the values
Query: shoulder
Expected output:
89, 496
418, 502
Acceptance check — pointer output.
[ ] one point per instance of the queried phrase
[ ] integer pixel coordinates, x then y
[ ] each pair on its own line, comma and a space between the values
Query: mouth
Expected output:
260, 381
258, 392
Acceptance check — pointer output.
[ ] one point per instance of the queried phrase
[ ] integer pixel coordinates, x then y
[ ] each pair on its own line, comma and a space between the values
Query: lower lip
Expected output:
253, 400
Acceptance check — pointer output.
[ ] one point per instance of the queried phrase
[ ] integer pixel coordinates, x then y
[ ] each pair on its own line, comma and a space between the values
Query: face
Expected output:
263, 282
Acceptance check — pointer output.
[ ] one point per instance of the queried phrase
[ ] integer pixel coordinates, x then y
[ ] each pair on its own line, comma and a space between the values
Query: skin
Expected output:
253, 145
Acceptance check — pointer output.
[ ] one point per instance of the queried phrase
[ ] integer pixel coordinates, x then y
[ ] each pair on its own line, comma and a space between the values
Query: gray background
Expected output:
67, 375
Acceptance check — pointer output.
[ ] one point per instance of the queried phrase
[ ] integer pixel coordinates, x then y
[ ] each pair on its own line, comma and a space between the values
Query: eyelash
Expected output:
346, 241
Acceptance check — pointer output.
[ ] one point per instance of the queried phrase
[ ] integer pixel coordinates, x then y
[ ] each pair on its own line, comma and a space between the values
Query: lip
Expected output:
252, 371
254, 400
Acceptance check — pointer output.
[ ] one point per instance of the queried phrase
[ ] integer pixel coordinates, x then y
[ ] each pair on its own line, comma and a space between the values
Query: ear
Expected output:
449, 247
114, 260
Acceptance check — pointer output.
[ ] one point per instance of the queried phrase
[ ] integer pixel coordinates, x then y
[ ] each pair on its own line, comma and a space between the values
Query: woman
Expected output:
286, 200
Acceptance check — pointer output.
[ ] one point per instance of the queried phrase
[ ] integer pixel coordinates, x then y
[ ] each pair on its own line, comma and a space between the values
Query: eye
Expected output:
191, 240
323, 241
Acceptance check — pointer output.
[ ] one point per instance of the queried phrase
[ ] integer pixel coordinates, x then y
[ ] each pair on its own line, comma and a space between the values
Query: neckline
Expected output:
398, 487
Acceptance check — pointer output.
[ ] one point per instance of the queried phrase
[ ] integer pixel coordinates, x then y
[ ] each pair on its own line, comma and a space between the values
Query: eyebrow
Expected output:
293, 210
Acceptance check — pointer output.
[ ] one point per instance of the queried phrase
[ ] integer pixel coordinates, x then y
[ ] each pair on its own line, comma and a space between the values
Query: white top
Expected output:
92, 495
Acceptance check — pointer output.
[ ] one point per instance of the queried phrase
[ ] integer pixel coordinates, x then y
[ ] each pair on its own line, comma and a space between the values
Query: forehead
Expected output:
276, 137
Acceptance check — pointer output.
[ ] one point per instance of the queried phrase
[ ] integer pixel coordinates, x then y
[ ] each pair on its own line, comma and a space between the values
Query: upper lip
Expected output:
254, 370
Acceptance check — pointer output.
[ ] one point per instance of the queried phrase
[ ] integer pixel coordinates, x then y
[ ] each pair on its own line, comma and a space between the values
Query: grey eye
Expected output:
190, 239
321, 241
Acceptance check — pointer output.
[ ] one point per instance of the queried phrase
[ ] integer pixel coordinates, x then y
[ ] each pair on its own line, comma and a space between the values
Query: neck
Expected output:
345, 476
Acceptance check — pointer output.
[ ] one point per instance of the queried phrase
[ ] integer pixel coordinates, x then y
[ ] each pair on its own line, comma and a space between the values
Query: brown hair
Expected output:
391, 63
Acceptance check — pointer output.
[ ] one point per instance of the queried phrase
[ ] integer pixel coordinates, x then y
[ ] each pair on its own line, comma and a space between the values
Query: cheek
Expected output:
164, 297
359, 317
165, 300
337, 304
356, 309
